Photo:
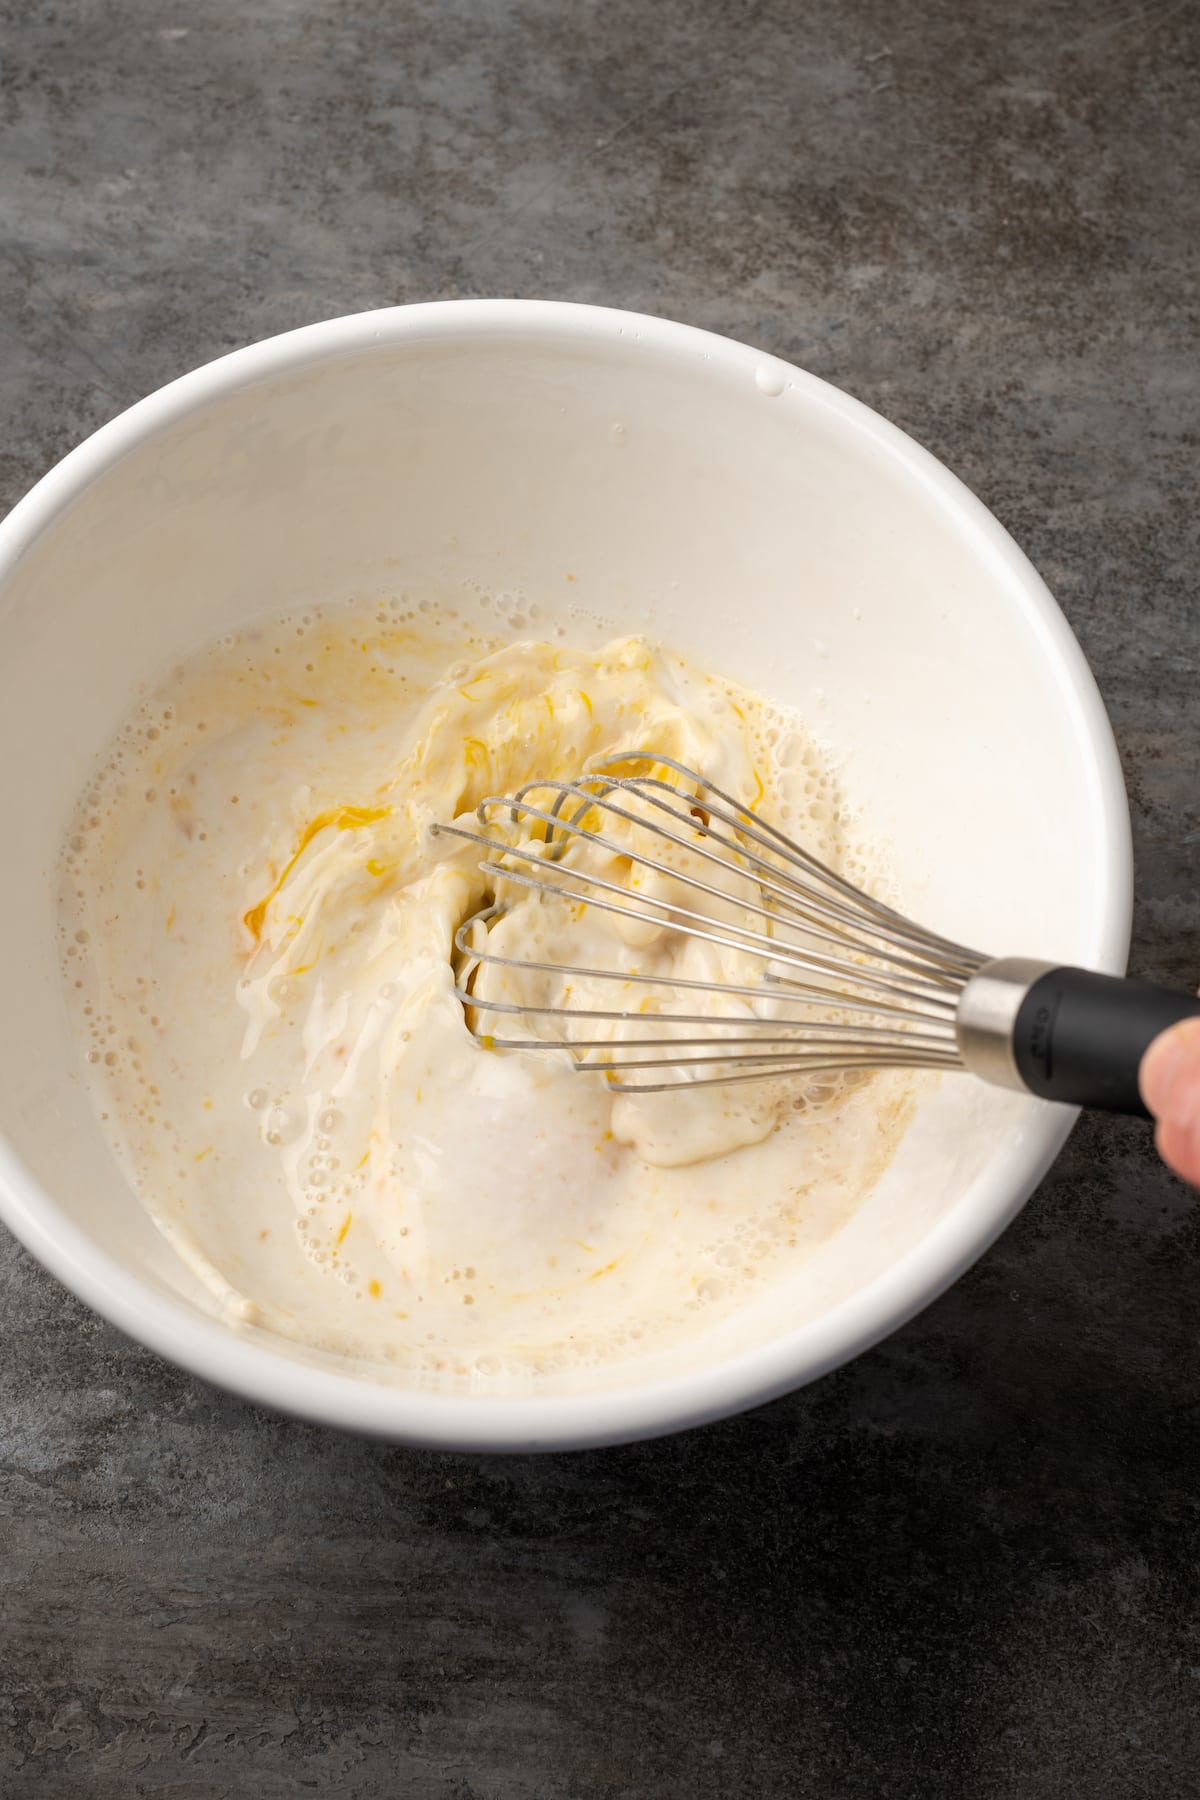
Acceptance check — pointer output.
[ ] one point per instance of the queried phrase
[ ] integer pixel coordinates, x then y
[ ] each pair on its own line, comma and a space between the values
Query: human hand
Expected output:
1170, 1084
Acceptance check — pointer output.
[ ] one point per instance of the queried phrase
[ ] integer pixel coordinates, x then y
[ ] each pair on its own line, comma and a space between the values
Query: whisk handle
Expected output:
1073, 1035
1080, 1037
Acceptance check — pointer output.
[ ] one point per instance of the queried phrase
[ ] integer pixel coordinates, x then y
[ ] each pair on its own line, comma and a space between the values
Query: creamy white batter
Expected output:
258, 925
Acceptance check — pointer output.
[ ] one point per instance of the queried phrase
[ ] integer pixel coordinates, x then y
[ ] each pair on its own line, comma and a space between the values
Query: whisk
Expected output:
836, 980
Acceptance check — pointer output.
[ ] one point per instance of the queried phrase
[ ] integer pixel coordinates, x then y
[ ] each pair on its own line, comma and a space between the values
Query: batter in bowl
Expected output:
258, 925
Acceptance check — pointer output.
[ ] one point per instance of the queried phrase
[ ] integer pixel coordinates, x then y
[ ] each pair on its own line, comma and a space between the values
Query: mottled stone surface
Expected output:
965, 1567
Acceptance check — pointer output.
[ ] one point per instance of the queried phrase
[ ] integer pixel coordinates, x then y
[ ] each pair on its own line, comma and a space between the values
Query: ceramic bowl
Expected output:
666, 481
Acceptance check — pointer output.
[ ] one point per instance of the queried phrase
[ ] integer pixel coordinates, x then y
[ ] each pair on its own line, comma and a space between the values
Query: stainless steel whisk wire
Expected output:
844, 981
899, 982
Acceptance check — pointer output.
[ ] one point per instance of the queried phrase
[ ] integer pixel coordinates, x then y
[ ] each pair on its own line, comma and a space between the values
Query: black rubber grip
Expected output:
1080, 1037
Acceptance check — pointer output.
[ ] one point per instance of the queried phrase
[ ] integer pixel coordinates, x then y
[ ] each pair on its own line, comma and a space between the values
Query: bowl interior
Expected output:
662, 481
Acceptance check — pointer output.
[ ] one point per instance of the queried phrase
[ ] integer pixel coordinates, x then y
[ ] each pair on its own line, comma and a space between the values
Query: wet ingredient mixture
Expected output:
257, 926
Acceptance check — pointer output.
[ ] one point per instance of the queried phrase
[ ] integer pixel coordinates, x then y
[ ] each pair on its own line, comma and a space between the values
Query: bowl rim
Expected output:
247, 1365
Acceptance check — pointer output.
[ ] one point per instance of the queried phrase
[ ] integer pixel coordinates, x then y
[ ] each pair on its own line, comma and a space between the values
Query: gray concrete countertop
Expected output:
965, 1566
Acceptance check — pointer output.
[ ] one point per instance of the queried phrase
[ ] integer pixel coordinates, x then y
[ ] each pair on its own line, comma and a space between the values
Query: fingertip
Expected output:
1178, 1143
1174, 1053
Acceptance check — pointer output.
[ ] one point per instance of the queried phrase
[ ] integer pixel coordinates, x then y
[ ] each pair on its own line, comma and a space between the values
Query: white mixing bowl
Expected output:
672, 482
